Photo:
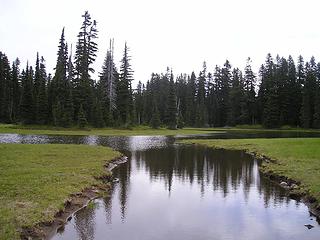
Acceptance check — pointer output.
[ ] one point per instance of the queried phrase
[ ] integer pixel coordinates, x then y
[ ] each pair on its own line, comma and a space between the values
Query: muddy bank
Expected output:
76, 201
292, 186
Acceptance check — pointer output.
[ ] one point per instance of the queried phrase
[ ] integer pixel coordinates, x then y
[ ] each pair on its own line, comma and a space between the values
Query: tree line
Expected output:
283, 93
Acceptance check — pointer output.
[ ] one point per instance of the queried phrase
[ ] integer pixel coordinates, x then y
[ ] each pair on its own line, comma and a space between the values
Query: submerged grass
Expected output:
36, 180
295, 158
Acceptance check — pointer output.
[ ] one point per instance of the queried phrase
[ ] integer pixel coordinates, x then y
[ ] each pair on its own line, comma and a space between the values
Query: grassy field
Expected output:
37, 179
140, 130
296, 158
136, 131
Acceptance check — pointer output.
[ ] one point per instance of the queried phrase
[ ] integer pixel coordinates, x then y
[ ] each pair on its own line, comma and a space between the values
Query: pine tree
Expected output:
155, 119
215, 97
316, 116
57, 114
148, 103
37, 81
42, 99
107, 87
271, 108
180, 121
125, 101
27, 105
160, 87
5, 90
85, 55
224, 100
82, 120
181, 92
248, 105
190, 100
282, 78
294, 94
201, 117
236, 96
68, 108
308, 94
58, 86
172, 105
138, 102
16, 90
98, 121
300, 81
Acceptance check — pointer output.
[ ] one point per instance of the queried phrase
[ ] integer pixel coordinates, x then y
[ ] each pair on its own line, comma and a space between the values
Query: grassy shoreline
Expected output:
137, 131
295, 158
36, 180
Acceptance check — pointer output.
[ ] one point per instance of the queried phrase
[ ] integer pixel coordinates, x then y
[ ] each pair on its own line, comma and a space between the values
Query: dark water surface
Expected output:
171, 191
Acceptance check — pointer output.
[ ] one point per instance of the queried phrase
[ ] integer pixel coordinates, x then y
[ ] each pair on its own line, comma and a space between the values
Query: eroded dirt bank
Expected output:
76, 201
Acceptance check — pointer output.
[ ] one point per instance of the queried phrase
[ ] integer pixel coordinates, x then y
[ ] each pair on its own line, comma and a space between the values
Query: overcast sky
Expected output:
177, 33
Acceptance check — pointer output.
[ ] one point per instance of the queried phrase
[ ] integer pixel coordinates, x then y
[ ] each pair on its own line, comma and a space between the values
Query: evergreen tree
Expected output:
190, 100
172, 105
138, 99
58, 89
236, 97
248, 104
271, 111
68, 108
125, 100
316, 116
181, 92
155, 119
42, 99
215, 99
308, 94
98, 120
57, 114
223, 98
82, 120
283, 82
5, 90
27, 106
148, 103
85, 55
300, 81
15, 90
294, 94
107, 87
201, 117
180, 120
37, 80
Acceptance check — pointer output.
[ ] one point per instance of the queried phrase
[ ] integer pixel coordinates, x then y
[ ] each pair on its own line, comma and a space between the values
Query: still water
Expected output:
171, 191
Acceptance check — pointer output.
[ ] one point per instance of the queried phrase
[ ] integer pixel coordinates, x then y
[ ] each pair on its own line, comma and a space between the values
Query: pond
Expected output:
173, 191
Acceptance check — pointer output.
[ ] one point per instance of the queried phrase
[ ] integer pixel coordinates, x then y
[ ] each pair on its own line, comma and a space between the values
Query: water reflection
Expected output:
191, 192
85, 223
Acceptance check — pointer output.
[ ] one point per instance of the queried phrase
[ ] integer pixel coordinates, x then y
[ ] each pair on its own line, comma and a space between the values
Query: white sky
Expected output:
177, 33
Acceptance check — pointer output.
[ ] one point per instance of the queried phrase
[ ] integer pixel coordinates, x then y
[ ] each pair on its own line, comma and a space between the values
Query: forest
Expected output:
282, 93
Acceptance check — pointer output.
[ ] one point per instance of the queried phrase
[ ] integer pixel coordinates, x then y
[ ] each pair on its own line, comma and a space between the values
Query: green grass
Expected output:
37, 179
136, 131
141, 130
296, 158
